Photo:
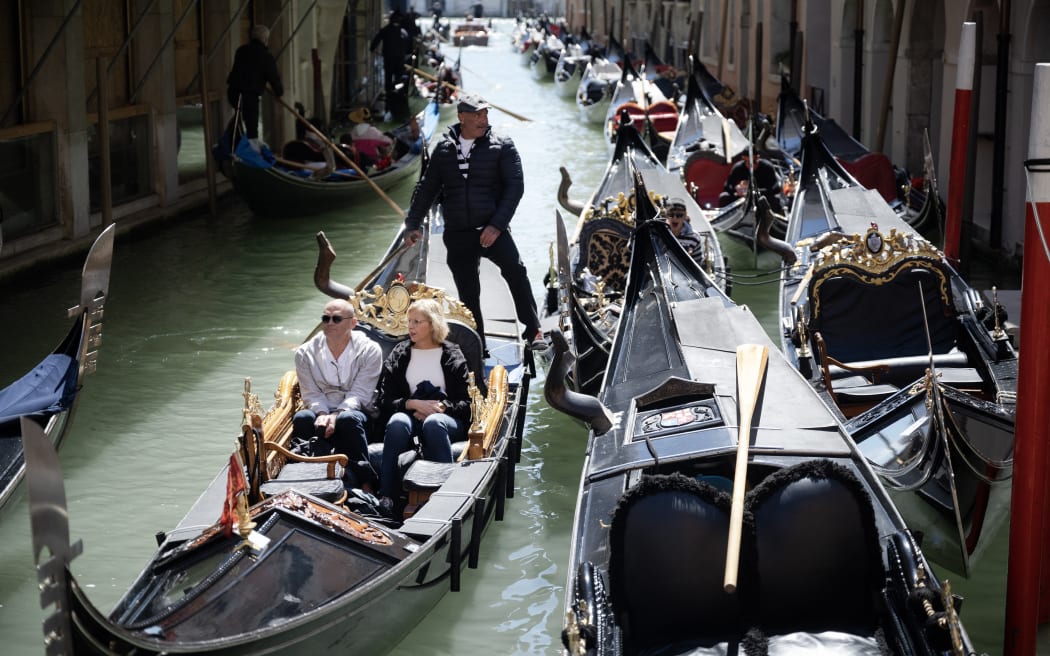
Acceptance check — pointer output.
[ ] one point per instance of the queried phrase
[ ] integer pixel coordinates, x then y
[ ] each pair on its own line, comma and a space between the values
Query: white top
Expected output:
330, 384
425, 364
369, 131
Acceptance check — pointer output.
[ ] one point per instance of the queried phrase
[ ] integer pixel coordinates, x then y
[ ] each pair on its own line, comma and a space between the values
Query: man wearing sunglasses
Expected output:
677, 217
338, 373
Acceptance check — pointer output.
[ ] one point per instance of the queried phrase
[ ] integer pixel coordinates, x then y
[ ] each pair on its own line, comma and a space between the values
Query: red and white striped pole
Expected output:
1027, 575
960, 134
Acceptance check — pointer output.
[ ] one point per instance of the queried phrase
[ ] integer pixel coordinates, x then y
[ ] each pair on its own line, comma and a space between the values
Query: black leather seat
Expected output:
667, 535
819, 562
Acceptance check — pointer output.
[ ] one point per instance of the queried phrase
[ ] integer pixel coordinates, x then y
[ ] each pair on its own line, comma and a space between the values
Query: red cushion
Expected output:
875, 171
708, 177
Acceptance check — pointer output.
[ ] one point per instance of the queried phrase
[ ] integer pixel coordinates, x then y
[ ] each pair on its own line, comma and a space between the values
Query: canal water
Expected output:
199, 305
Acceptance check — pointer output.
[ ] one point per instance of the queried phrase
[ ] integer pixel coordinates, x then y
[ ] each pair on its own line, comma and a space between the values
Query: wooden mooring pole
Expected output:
960, 137
1028, 573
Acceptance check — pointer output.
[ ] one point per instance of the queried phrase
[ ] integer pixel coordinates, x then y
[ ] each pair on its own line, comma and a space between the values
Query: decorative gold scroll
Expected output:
387, 310
876, 259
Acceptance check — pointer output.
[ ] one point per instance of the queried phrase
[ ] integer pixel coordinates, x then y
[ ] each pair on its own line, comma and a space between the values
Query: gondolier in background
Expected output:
395, 41
253, 67
479, 178
338, 374
766, 180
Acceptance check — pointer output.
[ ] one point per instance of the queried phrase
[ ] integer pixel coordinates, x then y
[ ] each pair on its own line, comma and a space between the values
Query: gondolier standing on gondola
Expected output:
253, 67
479, 178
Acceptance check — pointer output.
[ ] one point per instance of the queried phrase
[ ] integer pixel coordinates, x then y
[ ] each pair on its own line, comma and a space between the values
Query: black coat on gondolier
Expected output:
487, 195
490, 193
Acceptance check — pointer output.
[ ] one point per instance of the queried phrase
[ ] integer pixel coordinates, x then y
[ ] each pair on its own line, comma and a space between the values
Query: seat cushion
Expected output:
308, 478
666, 532
820, 565
428, 475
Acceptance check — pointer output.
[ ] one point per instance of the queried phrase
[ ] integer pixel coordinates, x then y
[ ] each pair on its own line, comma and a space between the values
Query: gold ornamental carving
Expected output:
876, 259
387, 309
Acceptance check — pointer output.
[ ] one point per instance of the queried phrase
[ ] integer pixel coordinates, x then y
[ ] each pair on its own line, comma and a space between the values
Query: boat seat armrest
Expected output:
334, 461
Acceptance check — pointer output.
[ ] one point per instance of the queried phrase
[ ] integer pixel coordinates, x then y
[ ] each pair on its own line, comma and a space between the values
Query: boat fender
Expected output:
581, 406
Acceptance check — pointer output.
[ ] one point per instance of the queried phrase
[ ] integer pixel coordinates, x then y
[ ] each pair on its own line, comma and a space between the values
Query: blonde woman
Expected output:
423, 391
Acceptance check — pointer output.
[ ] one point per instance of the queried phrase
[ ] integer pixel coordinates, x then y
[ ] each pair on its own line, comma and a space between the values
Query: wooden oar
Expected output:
751, 362
459, 90
338, 151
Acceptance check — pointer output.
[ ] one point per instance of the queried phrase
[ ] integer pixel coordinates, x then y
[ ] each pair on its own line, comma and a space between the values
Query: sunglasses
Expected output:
334, 318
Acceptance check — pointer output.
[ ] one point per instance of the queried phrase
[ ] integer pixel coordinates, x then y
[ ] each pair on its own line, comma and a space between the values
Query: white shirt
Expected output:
330, 384
425, 364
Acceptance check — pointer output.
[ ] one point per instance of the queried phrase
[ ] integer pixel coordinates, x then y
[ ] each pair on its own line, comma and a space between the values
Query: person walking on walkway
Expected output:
480, 181
253, 67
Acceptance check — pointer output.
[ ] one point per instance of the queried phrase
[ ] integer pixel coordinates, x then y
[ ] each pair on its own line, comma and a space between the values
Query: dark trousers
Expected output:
249, 110
393, 70
348, 438
464, 259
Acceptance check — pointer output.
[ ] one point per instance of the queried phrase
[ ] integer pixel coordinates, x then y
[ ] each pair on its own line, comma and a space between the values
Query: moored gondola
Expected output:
299, 563
586, 299
48, 393
703, 149
569, 69
595, 91
723, 507
914, 358
871, 169
639, 101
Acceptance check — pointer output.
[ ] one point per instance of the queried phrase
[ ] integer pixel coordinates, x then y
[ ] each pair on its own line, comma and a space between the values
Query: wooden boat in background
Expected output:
585, 298
568, 72
275, 189
820, 561
654, 115
471, 33
301, 570
703, 149
544, 59
916, 360
595, 91
872, 170
47, 394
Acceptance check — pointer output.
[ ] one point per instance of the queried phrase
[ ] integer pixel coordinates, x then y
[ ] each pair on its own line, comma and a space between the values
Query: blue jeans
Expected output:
349, 435
436, 435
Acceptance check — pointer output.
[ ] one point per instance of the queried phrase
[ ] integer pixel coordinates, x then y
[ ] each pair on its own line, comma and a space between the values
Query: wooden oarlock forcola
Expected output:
751, 361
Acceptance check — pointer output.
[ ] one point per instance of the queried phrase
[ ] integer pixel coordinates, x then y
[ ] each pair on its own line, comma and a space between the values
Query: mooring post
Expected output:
1027, 571
960, 132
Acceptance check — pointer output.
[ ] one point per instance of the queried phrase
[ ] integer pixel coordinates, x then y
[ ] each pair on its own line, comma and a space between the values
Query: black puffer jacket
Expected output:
489, 194
253, 67
394, 391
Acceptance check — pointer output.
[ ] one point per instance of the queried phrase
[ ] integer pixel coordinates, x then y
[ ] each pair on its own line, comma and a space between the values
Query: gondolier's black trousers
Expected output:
464, 259
249, 110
